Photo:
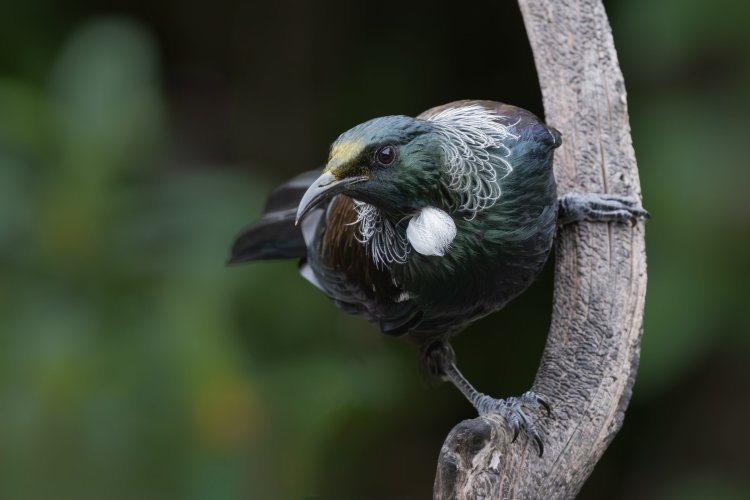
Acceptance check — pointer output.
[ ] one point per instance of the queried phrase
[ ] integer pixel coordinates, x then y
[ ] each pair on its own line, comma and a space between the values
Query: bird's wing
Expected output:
274, 235
288, 195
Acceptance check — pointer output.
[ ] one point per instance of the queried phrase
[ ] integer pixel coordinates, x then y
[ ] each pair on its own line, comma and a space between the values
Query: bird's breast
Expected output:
342, 250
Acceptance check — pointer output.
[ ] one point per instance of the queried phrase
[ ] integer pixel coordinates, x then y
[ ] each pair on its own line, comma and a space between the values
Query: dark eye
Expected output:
386, 155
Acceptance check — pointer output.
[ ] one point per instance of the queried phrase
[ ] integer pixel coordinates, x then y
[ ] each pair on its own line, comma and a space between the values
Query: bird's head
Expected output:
452, 158
389, 162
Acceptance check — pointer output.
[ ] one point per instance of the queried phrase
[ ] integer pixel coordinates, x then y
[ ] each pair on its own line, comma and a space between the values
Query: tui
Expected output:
424, 225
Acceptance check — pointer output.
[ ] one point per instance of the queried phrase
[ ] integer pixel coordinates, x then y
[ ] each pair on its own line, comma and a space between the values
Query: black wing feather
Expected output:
289, 194
274, 235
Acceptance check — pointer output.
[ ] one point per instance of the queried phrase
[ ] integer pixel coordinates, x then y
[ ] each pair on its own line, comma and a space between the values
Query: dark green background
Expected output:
137, 137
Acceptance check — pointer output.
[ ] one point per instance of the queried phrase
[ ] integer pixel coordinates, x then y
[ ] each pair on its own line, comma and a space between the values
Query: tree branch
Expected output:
589, 363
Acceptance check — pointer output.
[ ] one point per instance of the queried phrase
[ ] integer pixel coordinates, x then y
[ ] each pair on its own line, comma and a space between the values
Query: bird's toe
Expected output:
595, 207
512, 410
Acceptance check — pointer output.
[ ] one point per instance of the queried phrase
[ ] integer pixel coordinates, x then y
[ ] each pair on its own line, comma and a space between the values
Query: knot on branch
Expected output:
472, 458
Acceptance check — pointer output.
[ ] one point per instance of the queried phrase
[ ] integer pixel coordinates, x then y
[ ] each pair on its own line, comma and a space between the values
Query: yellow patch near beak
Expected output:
341, 160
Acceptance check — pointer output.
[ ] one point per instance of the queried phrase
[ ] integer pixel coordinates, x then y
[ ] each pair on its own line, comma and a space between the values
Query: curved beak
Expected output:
323, 188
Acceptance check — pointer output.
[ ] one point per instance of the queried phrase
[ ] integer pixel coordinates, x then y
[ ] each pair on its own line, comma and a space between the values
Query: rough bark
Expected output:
589, 363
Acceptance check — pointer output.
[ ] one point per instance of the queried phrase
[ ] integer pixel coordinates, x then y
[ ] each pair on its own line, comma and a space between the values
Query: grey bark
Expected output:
590, 360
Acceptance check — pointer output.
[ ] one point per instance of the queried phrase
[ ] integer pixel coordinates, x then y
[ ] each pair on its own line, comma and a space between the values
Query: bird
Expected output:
423, 225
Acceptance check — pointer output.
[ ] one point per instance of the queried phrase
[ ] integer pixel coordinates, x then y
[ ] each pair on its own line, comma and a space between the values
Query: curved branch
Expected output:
589, 363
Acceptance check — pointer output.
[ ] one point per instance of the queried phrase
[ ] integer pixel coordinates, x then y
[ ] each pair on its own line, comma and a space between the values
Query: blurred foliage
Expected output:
135, 141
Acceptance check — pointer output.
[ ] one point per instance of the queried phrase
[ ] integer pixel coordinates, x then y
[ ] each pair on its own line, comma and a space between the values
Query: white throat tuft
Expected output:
431, 232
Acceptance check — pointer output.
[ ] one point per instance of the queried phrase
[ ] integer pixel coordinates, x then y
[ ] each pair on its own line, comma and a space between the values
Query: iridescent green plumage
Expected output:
500, 244
422, 225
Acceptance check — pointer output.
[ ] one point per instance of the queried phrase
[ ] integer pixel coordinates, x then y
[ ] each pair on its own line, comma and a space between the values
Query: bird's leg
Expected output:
440, 358
577, 207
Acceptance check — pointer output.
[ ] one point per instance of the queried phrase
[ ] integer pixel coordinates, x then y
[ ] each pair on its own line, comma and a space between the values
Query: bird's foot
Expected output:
577, 207
512, 410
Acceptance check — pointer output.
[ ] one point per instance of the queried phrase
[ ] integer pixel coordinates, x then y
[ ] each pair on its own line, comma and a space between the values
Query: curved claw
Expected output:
544, 405
539, 444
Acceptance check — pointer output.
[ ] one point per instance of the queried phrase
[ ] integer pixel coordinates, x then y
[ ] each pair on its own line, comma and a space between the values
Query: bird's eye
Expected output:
386, 155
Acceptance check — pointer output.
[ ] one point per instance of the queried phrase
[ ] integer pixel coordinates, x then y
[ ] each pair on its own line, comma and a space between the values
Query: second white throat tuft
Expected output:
431, 232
